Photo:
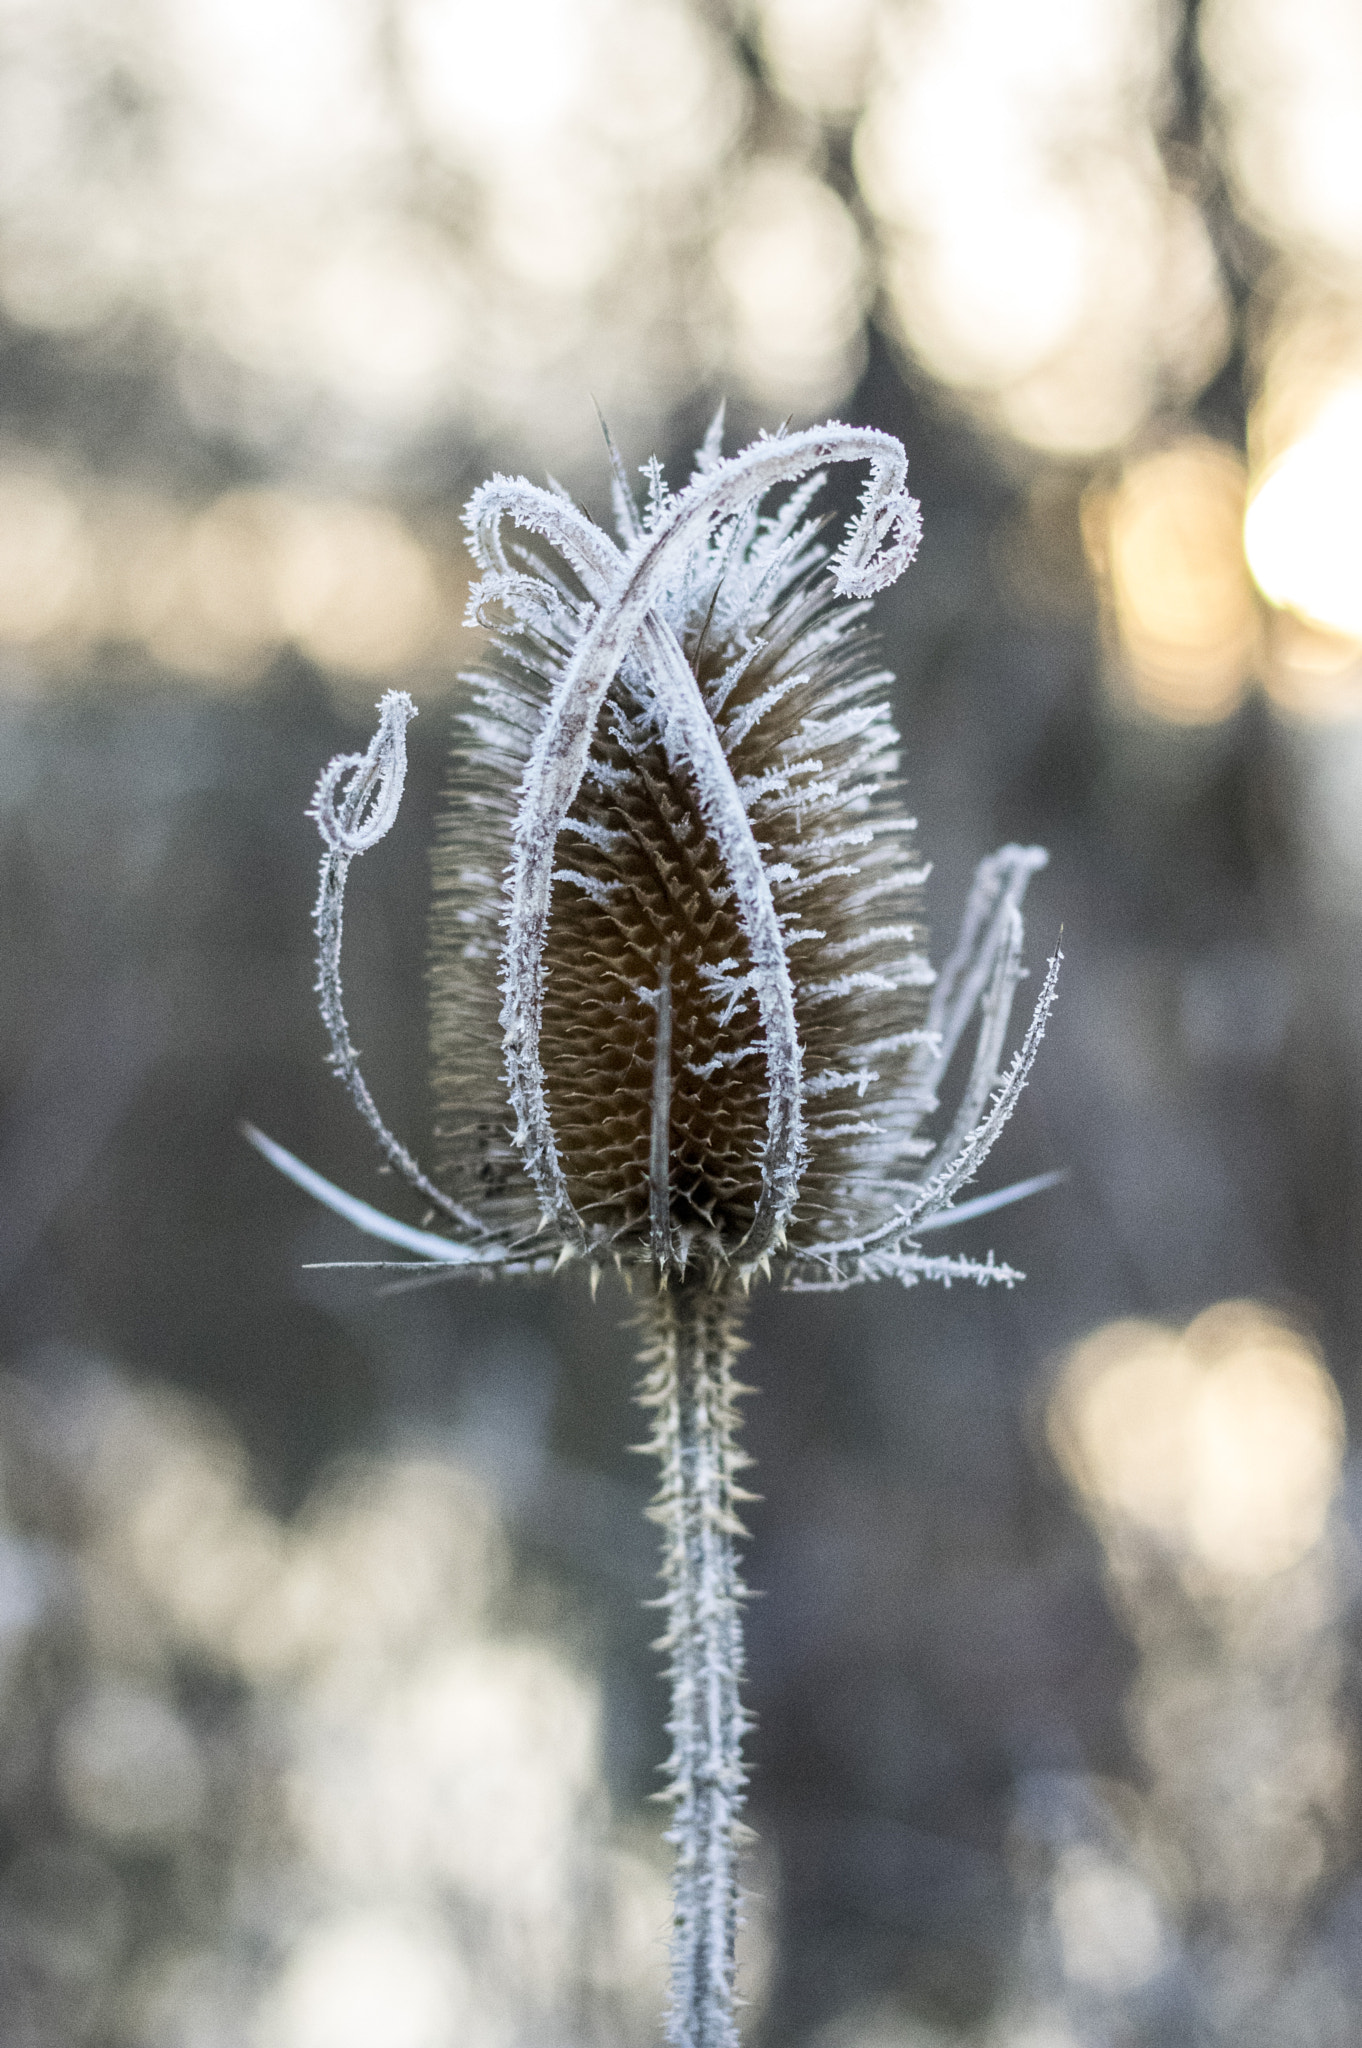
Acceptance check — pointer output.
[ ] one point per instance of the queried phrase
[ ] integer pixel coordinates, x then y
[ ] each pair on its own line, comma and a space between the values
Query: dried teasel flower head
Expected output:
682, 1014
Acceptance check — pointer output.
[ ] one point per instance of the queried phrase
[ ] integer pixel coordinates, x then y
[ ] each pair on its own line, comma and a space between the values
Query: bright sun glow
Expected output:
1303, 531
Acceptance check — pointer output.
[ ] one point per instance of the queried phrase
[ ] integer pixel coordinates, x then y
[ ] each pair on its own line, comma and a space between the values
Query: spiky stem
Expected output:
691, 1390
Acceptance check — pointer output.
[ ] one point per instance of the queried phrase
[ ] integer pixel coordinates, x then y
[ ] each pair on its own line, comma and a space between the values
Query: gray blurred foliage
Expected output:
957, 1775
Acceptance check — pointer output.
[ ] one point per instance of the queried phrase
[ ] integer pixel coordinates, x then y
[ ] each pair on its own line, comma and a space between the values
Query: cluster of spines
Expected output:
802, 719
708, 639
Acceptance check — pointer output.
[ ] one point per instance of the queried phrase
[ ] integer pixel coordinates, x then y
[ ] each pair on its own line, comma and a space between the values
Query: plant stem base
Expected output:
690, 1388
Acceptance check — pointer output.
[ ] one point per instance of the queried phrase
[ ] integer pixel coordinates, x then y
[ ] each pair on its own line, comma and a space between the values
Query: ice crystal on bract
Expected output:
682, 1015
682, 1011
645, 933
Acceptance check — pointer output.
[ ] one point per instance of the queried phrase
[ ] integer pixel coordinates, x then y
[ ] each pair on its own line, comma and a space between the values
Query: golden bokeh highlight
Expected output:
45, 561
213, 591
1166, 546
1222, 1442
1208, 1459
354, 587
1311, 674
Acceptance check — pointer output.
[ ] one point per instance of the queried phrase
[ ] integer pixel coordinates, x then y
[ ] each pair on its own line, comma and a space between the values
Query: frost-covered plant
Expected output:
682, 1017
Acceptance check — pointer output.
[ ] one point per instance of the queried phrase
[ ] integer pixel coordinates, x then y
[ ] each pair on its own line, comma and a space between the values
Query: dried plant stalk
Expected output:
690, 1389
682, 1014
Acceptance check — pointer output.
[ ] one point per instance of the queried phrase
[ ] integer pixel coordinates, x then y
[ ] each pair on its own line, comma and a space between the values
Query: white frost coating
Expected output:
593, 557
620, 611
1000, 882
589, 552
880, 544
692, 1393
979, 980
615, 608
355, 804
981, 1139
369, 806
659, 1137
981, 975
889, 1250
995, 1011
689, 734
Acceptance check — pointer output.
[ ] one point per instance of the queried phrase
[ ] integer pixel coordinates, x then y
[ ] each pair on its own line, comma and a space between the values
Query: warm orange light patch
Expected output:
1167, 545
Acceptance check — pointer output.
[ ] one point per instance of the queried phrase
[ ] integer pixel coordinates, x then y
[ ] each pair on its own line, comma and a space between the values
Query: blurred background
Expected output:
327, 1711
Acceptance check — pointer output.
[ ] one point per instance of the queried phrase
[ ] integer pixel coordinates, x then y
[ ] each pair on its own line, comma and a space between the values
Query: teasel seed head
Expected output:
682, 1013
